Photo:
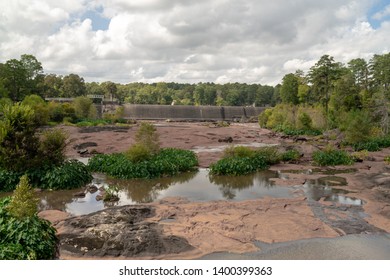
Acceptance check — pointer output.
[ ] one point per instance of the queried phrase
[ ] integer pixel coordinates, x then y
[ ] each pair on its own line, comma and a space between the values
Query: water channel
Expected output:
195, 186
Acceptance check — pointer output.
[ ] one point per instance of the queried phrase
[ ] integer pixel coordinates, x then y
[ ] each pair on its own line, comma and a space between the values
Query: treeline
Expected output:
353, 98
336, 86
19, 78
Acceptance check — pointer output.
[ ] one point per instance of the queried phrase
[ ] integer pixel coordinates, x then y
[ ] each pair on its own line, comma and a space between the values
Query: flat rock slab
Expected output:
117, 232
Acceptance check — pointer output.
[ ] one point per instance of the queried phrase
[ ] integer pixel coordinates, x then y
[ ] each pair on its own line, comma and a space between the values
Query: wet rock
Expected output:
84, 145
92, 188
228, 139
118, 232
83, 152
79, 194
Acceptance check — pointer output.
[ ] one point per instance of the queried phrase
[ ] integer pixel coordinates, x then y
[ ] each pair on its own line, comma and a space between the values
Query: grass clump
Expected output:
331, 157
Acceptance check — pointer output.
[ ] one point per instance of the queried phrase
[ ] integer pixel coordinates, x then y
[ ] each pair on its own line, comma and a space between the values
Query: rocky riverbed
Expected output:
178, 228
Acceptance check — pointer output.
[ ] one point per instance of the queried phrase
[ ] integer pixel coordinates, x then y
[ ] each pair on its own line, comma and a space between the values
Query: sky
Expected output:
187, 41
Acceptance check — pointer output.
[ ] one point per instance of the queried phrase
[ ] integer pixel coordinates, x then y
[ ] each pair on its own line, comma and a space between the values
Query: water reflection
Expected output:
195, 186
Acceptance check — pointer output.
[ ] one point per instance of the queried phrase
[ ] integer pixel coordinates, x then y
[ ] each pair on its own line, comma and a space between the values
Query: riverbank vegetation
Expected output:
23, 235
40, 154
145, 159
240, 160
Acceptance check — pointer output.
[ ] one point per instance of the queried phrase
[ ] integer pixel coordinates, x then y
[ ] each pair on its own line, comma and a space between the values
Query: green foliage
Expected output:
52, 147
24, 203
387, 159
270, 154
331, 157
290, 155
25, 238
357, 126
243, 160
8, 180
18, 142
293, 120
373, 144
82, 106
69, 175
147, 135
138, 152
166, 162
238, 151
304, 122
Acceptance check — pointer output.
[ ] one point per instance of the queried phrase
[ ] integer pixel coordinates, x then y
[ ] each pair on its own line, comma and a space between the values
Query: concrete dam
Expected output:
191, 113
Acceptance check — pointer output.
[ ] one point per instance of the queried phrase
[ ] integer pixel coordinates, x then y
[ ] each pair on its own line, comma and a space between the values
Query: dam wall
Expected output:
194, 113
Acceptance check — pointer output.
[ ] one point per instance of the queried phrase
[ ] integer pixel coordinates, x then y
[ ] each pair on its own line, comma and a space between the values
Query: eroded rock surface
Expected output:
117, 232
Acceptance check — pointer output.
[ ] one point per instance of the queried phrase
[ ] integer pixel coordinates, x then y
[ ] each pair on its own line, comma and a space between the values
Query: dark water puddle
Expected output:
350, 247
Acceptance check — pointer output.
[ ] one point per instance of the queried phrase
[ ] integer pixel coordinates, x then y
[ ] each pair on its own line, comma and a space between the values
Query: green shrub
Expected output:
243, 160
8, 180
330, 157
270, 154
167, 162
357, 127
52, 147
39, 106
304, 121
71, 174
147, 135
18, 141
82, 106
25, 238
138, 152
374, 144
24, 202
290, 155
238, 151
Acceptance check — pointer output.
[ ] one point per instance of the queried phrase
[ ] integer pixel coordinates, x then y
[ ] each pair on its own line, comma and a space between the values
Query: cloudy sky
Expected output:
251, 41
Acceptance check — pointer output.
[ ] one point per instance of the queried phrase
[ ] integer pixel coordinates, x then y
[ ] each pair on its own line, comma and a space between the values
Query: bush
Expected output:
270, 154
167, 162
330, 157
24, 202
18, 142
243, 160
52, 147
138, 152
82, 106
357, 127
238, 151
25, 238
148, 136
71, 174
374, 144
291, 155
41, 111
8, 180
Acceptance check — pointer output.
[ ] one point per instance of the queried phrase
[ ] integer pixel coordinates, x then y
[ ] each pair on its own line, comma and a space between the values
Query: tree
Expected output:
289, 89
73, 86
322, 76
110, 89
22, 77
52, 85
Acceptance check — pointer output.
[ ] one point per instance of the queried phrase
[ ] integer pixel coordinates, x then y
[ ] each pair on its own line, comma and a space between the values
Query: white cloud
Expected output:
382, 14
189, 41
